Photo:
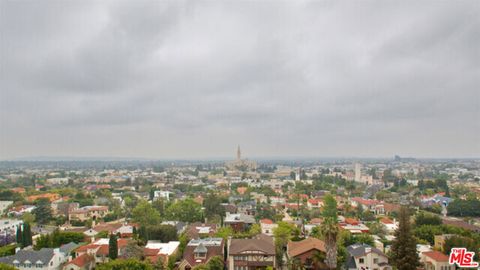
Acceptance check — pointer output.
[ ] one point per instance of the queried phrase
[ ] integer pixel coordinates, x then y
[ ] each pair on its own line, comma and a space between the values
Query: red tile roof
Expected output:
81, 260
266, 221
436, 255
386, 220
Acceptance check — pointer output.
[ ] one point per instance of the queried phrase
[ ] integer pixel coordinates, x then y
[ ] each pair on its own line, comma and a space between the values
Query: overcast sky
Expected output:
193, 79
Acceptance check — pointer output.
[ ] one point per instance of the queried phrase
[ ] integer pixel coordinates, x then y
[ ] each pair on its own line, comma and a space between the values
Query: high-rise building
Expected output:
358, 172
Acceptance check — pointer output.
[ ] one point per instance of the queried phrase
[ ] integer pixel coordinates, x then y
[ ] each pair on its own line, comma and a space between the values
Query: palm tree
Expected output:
296, 264
318, 258
329, 230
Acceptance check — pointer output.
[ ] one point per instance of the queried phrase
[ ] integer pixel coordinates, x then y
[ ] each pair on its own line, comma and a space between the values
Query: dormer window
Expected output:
199, 255
200, 252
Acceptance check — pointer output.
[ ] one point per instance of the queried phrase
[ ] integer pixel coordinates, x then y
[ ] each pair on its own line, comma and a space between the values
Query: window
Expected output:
361, 260
375, 260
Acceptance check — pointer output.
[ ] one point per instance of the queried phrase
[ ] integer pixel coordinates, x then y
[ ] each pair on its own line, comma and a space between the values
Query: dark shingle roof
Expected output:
68, 248
44, 255
359, 250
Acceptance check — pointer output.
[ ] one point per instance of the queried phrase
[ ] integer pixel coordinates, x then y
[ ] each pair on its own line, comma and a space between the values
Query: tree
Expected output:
212, 204
162, 232
404, 252
159, 205
459, 241
329, 230
318, 258
19, 236
28, 218
43, 211
113, 247
26, 235
133, 251
423, 218
215, 263
7, 267
145, 214
283, 233
159, 264
185, 210
330, 207
129, 264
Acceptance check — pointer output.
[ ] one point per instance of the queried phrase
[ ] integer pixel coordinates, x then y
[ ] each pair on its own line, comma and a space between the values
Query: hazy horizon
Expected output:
193, 79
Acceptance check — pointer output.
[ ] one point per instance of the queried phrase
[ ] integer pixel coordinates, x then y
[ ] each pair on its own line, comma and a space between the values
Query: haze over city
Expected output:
190, 79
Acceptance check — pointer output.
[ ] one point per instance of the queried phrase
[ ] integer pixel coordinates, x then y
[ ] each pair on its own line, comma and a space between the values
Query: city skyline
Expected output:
164, 80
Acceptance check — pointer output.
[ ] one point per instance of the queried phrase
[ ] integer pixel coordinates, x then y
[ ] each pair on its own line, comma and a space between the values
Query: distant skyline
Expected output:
194, 79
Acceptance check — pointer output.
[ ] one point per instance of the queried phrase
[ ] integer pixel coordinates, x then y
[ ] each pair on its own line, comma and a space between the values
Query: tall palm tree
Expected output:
329, 230
318, 259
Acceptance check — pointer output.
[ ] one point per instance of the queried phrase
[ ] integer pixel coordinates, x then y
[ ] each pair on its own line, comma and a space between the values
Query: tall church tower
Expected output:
239, 153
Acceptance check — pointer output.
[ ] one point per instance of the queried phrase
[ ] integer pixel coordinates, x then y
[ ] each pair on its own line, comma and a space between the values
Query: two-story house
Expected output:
362, 257
200, 251
249, 254
435, 260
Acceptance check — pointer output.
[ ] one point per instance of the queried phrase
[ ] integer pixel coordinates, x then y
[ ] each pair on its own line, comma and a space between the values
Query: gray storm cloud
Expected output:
161, 79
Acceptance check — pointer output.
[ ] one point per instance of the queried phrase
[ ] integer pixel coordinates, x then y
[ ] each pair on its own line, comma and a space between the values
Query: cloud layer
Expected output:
189, 79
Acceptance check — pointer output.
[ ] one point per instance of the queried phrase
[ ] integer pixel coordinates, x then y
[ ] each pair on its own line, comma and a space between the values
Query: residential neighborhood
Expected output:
260, 216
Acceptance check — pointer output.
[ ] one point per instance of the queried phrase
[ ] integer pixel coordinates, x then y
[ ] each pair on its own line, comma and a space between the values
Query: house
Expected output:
43, 259
239, 222
374, 206
99, 249
4, 206
49, 196
93, 212
179, 225
200, 251
305, 251
247, 207
389, 225
162, 194
20, 210
267, 226
63, 207
314, 203
156, 249
82, 262
254, 253
435, 260
353, 225
438, 198
9, 226
199, 230
361, 256
110, 228
461, 224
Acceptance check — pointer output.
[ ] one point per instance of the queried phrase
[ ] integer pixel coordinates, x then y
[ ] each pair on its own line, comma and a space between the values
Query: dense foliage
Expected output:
58, 238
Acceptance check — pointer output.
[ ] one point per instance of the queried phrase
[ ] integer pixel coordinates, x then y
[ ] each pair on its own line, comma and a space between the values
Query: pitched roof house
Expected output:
251, 253
200, 251
198, 229
305, 251
435, 260
156, 249
361, 256
43, 259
